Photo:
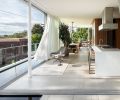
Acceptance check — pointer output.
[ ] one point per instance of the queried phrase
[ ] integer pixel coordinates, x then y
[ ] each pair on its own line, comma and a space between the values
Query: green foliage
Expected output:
19, 35
37, 29
36, 38
16, 35
6, 36
83, 32
76, 37
37, 32
80, 34
64, 34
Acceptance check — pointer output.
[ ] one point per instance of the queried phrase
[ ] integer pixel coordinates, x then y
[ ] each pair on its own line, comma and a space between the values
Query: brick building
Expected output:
9, 42
12, 50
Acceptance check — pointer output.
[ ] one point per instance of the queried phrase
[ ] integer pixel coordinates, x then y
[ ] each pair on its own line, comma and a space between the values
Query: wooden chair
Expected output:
91, 60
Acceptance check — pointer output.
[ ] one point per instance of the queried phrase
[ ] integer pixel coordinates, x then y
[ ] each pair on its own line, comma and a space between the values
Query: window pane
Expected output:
13, 30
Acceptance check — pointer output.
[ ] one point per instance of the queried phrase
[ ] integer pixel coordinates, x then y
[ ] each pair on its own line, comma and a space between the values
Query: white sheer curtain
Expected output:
50, 39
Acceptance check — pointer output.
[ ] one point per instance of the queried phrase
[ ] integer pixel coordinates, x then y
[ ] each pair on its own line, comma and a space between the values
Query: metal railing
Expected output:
14, 54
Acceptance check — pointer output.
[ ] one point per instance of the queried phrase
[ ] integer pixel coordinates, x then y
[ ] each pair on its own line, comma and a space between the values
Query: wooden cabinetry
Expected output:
96, 34
117, 33
108, 35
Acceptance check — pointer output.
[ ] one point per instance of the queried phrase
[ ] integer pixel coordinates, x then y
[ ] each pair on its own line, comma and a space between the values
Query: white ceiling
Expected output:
78, 11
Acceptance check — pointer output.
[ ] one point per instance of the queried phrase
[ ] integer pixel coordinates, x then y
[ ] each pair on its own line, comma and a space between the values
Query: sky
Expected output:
13, 16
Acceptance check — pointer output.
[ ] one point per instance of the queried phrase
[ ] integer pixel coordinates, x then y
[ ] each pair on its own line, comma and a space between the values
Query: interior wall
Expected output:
97, 35
117, 32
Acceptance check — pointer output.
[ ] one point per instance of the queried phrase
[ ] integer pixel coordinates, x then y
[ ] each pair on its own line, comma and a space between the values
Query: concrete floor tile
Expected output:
82, 97
49, 69
44, 97
95, 97
60, 97
75, 79
109, 97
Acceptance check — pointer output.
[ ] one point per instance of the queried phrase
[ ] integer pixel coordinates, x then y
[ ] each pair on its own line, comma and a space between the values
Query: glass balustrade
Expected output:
13, 54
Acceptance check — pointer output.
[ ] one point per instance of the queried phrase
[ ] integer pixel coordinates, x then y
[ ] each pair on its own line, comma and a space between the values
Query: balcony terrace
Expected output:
72, 78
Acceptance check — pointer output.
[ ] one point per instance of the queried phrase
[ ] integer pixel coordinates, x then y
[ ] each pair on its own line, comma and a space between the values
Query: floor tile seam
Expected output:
72, 97
66, 69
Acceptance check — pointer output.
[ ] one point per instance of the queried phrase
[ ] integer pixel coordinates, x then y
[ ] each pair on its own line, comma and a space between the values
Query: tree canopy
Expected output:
64, 34
37, 32
80, 34
15, 35
36, 38
37, 29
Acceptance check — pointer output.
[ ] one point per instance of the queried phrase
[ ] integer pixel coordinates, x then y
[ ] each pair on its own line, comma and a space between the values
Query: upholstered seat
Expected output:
58, 55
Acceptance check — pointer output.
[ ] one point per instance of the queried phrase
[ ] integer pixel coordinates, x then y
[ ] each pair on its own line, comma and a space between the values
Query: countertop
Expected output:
100, 49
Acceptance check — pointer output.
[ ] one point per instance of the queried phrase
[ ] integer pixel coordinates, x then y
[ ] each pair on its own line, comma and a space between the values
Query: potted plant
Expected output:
64, 36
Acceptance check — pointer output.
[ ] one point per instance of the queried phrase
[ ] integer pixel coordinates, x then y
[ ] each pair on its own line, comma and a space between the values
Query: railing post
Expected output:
35, 46
1, 57
29, 98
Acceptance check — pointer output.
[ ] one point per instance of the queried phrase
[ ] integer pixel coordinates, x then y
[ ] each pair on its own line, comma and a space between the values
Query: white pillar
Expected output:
29, 40
45, 19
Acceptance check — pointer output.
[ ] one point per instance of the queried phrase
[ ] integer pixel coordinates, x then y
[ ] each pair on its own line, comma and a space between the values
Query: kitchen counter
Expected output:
107, 61
100, 49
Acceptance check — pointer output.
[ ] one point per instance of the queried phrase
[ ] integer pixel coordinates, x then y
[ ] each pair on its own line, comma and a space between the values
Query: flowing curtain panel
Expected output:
50, 39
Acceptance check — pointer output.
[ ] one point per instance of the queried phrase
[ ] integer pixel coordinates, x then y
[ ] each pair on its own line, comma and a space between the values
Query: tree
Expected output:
37, 32
16, 35
76, 37
37, 29
83, 32
80, 34
36, 38
19, 35
64, 34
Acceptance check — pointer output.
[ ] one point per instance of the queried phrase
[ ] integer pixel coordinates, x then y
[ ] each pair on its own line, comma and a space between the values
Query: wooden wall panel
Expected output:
99, 34
103, 34
117, 32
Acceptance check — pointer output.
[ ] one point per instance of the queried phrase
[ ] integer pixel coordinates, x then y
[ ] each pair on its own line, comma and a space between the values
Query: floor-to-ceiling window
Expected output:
13, 39
13, 30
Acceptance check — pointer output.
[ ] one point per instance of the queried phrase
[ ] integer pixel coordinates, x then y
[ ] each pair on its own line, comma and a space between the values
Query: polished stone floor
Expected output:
73, 81
81, 97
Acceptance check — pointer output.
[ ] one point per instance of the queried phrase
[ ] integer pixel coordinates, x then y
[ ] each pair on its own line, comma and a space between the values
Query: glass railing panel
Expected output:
13, 54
